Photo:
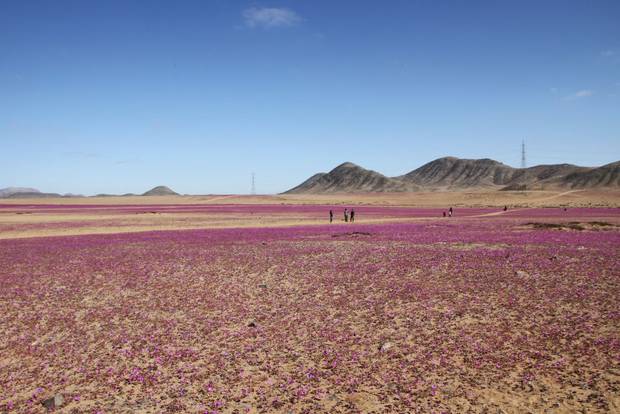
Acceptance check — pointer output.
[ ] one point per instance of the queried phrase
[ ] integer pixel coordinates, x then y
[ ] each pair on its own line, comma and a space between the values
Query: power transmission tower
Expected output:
523, 164
253, 185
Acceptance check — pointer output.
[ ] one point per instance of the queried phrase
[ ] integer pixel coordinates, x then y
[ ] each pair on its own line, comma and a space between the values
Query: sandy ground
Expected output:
514, 199
107, 215
91, 224
571, 198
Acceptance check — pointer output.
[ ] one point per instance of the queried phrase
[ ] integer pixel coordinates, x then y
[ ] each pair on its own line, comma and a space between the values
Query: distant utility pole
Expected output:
253, 185
523, 165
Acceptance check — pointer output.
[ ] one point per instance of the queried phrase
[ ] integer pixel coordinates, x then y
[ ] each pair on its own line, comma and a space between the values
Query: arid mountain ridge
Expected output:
23, 192
442, 174
456, 174
26, 192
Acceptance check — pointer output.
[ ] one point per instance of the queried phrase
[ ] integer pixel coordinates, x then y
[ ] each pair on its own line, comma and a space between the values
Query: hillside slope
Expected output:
160, 190
455, 174
348, 177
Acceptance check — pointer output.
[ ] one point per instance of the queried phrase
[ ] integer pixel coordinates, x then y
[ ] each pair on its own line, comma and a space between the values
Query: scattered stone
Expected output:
573, 225
262, 286
252, 325
53, 402
386, 347
521, 273
352, 234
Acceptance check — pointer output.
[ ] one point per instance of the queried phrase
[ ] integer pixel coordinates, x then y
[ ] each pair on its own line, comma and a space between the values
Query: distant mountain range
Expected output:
442, 174
22, 192
6, 192
454, 174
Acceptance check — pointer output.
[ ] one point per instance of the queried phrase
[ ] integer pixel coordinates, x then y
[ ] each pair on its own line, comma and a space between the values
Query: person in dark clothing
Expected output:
331, 216
450, 212
505, 208
352, 215
444, 213
346, 215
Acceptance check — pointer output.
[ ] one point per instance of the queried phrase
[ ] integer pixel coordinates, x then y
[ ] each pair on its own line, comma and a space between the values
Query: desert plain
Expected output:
257, 304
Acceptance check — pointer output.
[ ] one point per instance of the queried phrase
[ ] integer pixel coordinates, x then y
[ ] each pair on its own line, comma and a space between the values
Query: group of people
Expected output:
449, 212
349, 216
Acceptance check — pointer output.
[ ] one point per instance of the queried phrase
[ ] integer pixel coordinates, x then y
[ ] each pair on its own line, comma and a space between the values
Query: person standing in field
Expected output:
346, 215
450, 212
352, 215
331, 216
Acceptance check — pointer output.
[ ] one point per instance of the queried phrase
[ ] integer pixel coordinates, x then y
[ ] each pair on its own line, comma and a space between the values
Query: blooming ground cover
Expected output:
17, 221
475, 314
315, 210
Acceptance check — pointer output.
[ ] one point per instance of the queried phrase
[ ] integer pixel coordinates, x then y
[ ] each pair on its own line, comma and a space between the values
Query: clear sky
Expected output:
120, 96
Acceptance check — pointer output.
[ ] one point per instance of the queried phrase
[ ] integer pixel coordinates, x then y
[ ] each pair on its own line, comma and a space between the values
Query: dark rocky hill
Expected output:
35, 194
454, 174
160, 190
605, 176
349, 177
9, 191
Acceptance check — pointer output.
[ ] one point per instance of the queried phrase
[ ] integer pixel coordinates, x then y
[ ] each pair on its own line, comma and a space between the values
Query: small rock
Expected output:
386, 347
521, 273
251, 325
59, 400
53, 402
262, 286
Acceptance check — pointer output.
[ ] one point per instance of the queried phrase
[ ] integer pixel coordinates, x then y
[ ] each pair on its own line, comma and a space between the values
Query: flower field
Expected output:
482, 312
18, 221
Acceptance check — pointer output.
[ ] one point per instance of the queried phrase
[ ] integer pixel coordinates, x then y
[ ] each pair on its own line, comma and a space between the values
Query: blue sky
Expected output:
120, 96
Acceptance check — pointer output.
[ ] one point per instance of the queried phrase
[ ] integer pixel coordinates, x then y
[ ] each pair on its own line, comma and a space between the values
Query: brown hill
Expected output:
605, 176
456, 173
348, 178
33, 194
9, 191
160, 190
450, 173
